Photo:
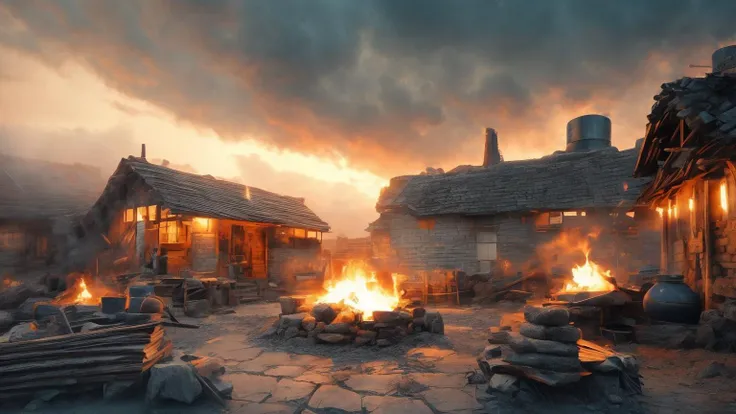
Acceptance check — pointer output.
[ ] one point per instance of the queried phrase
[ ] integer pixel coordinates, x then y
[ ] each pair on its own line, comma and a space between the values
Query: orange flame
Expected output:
359, 290
84, 294
589, 277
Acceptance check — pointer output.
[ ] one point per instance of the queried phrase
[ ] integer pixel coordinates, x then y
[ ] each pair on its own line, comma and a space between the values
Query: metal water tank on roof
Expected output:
588, 132
724, 60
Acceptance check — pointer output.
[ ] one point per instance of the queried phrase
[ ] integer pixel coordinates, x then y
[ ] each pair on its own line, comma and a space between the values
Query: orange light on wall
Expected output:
724, 197
201, 223
691, 205
660, 210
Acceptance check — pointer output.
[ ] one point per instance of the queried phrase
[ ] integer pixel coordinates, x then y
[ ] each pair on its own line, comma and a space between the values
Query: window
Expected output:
172, 232
152, 213
631, 214
300, 233
570, 214
426, 224
142, 213
486, 243
582, 214
313, 235
544, 221
555, 218
128, 216
11, 240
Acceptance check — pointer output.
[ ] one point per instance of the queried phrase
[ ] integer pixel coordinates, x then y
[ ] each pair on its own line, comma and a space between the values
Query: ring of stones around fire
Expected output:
280, 382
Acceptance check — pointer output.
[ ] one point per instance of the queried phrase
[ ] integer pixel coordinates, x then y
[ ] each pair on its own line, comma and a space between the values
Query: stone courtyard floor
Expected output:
425, 373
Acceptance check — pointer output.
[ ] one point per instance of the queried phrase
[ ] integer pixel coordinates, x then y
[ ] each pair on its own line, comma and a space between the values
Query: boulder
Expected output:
705, 337
567, 333
433, 323
291, 332
547, 316
173, 381
545, 362
323, 312
291, 321
309, 323
522, 344
506, 384
386, 317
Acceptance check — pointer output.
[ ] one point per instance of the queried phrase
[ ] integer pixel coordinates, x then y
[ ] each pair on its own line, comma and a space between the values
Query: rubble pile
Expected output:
548, 355
340, 324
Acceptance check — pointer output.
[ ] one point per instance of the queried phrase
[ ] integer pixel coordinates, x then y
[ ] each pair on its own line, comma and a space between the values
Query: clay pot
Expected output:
671, 300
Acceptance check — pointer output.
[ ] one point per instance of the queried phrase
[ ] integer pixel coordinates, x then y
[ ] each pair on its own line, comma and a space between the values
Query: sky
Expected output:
329, 99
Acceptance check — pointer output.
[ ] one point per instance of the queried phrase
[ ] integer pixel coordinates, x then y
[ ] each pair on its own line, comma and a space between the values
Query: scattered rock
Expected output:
173, 381
475, 378
197, 308
708, 316
333, 397
383, 342
6, 320
433, 323
548, 316
506, 384
209, 367
483, 392
323, 312
320, 327
567, 334
309, 323
714, 369
333, 338
291, 332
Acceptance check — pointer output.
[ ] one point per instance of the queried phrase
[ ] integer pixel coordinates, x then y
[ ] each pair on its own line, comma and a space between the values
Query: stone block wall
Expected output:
285, 263
724, 260
446, 242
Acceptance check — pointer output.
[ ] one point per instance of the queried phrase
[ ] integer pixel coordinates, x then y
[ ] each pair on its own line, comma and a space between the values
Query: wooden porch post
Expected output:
708, 273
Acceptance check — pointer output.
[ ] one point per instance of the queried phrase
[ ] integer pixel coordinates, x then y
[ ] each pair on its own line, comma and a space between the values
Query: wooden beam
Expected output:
707, 246
682, 132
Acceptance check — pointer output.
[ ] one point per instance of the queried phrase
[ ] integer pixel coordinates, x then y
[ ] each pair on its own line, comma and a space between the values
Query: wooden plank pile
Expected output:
80, 362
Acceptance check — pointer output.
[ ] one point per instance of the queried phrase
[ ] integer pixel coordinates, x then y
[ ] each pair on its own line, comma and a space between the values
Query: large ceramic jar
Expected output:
671, 300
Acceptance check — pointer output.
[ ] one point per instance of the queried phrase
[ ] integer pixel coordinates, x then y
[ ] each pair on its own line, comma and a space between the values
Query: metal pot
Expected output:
152, 304
671, 300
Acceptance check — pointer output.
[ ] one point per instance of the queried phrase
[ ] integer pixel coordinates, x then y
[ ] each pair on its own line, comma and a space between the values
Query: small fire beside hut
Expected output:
354, 309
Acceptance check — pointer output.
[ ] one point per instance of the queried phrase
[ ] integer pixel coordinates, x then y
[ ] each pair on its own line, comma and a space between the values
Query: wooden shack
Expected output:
39, 204
205, 225
690, 151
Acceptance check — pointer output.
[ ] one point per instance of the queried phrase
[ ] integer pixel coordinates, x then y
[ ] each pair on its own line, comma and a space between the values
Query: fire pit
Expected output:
354, 309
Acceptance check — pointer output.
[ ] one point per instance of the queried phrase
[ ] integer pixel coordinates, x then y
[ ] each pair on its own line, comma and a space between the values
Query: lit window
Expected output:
486, 244
630, 214
129, 217
312, 235
724, 197
170, 232
152, 213
300, 233
555, 217
582, 214
142, 212
570, 214
660, 211
201, 224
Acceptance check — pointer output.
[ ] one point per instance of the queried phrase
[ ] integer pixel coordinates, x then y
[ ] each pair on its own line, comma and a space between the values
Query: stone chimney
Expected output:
143, 151
491, 155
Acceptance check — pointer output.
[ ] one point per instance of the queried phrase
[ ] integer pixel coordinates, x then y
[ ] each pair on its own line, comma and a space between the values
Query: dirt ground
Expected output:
423, 374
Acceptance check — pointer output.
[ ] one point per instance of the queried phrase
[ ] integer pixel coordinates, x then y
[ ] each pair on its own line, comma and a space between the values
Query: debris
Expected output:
225, 389
208, 367
476, 377
506, 384
197, 308
174, 381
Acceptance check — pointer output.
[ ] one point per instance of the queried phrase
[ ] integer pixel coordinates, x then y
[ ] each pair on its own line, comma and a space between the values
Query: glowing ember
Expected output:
589, 277
359, 290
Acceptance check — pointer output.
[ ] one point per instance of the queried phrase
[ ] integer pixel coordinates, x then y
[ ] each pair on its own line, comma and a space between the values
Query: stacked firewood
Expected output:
340, 324
80, 362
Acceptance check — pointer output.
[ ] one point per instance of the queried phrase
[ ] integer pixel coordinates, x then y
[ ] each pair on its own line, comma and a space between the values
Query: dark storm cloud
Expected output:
390, 84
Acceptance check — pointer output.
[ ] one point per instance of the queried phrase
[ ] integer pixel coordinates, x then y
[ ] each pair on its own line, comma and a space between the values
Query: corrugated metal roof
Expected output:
596, 179
206, 196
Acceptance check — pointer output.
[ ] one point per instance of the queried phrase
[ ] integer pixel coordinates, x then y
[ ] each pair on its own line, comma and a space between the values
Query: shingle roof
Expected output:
707, 106
597, 179
206, 196
34, 189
